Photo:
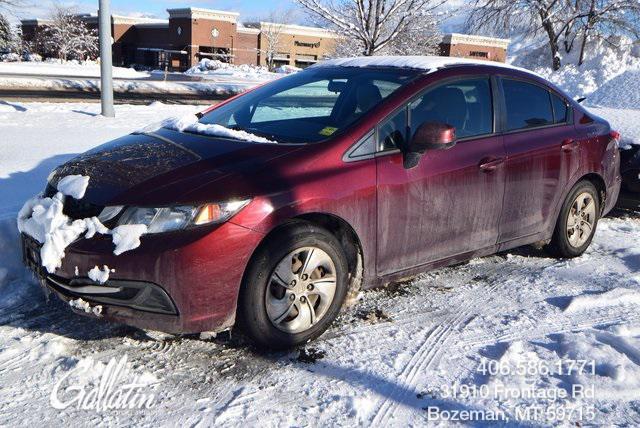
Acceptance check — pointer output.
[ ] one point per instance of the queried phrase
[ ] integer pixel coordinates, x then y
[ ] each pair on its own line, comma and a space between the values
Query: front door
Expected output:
450, 203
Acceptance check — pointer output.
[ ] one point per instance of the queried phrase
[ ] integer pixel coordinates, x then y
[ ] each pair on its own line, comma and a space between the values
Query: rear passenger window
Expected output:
464, 104
560, 109
528, 105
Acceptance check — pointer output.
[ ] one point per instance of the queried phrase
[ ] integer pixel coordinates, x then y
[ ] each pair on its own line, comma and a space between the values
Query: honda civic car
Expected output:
272, 210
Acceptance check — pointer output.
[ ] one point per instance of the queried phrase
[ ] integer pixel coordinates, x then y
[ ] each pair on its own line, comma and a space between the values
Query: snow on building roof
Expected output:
427, 63
472, 39
201, 13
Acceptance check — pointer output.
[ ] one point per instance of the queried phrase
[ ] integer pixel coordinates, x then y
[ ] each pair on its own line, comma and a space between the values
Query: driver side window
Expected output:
464, 104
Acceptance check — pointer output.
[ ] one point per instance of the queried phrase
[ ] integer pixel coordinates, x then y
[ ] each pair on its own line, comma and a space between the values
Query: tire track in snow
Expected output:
547, 327
427, 353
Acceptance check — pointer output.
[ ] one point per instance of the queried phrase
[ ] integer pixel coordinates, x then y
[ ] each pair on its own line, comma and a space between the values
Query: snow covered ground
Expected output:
474, 337
66, 69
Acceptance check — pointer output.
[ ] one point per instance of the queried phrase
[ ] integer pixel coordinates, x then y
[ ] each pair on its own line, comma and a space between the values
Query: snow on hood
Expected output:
42, 218
190, 124
429, 63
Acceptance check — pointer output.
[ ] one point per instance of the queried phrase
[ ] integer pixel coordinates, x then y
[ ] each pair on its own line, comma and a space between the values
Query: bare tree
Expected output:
271, 28
377, 26
68, 36
562, 21
605, 16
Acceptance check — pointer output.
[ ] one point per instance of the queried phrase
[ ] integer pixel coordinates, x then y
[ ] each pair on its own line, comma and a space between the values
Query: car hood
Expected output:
168, 167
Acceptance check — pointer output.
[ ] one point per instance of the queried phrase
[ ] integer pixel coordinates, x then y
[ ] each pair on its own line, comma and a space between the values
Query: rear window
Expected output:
528, 105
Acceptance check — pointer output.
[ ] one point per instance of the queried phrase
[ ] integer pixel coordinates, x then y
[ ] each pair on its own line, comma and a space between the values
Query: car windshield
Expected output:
309, 106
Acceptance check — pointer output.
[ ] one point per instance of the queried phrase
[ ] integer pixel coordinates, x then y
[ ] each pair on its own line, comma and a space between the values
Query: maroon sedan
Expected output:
272, 208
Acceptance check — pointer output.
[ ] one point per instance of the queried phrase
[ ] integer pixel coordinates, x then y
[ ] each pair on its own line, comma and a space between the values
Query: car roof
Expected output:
426, 63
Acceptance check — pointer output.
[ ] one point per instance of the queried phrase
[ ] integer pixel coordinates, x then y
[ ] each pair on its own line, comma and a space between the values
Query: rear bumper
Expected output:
182, 282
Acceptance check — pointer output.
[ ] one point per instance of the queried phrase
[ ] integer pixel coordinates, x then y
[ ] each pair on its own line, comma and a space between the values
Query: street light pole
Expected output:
106, 81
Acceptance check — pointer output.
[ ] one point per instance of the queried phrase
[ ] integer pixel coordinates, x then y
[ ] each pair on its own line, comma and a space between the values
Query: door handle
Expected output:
569, 145
489, 165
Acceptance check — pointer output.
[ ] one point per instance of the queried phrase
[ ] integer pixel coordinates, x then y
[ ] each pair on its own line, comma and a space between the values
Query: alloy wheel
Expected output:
581, 219
301, 289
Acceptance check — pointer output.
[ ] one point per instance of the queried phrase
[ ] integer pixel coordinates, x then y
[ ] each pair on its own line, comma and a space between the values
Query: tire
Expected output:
276, 317
568, 241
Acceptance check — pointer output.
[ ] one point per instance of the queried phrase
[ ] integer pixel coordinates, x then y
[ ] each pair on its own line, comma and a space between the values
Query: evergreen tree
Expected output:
6, 36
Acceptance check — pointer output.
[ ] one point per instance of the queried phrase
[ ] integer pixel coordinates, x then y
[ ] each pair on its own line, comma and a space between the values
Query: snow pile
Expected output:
83, 305
190, 124
622, 92
52, 67
626, 122
100, 275
605, 60
10, 57
287, 69
215, 67
615, 297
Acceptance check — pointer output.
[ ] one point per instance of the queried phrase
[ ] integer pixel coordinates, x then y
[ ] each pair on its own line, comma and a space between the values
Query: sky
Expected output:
155, 8
249, 9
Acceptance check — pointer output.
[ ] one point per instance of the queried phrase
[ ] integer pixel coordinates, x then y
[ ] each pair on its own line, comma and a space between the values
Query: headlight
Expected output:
176, 218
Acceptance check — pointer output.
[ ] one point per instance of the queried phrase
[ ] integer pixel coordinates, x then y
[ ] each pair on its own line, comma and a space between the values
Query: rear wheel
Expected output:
294, 287
577, 221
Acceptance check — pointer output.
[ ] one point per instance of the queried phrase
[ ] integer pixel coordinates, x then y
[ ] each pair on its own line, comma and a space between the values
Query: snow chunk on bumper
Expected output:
73, 185
100, 275
127, 237
43, 220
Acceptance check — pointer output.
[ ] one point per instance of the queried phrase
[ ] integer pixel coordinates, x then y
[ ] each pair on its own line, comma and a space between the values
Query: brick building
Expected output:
475, 47
191, 34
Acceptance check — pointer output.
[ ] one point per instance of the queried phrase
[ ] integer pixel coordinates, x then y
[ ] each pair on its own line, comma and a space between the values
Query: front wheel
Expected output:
294, 287
577, 221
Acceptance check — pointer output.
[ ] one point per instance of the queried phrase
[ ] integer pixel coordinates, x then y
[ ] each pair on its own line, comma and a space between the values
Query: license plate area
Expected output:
31, 254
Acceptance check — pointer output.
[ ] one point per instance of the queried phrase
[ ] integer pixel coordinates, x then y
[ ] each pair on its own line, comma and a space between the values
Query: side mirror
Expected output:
429, 136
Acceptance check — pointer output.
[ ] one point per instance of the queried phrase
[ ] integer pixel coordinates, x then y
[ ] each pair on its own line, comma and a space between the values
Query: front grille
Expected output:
74, 208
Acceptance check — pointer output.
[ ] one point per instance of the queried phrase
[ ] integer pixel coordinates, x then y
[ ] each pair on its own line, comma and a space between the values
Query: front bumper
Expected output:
181, 282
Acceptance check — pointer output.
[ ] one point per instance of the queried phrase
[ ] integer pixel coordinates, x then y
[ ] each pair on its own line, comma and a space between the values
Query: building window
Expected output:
479, 54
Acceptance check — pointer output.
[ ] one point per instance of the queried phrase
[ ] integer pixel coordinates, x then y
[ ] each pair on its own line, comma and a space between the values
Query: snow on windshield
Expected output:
190, 124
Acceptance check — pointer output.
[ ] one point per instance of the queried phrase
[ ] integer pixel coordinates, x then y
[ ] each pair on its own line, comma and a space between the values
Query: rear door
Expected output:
541, 156
450, 203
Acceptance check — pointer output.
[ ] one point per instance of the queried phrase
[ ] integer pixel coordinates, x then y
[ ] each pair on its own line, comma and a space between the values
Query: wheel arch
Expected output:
600, 185
344, 233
